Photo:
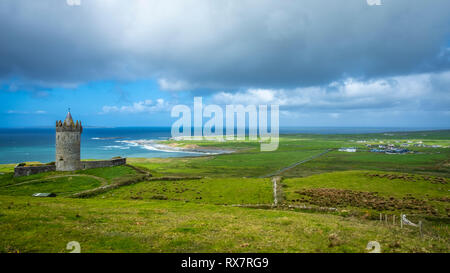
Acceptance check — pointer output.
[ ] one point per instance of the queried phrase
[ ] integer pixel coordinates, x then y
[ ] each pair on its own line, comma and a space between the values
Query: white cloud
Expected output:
225, 44
38, 112
421, 91
176, 85
335, 115
251, 96
137, 107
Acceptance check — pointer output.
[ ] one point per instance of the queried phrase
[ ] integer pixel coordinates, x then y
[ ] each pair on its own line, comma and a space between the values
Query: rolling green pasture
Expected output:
429, 164
5, 168
248, 161
244, 164
208, 190
154, 226
362, 181
62, 183
109, 173
392, 186
60, 186
195, 215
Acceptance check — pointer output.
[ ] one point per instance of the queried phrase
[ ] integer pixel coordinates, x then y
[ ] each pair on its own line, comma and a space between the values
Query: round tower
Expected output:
68, 139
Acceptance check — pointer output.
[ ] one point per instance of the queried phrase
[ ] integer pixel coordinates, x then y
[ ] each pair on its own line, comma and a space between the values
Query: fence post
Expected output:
393, 219
420, 227
401, 221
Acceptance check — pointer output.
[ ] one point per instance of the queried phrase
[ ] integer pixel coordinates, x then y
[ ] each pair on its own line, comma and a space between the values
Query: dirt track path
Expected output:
294, 165
276, 180
103, 181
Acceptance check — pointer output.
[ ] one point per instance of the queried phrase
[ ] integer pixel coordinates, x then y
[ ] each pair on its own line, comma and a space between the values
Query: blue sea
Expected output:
38, 144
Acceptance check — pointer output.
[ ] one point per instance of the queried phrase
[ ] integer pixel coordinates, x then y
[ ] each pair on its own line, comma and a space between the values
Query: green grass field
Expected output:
243, 164
46, 225
60, 186
374, 192
329, 203
428, 164
208, 190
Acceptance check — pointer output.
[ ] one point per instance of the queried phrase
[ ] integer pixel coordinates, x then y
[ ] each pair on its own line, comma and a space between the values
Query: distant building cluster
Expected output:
387, 149
348, 150
391, 147
378, 148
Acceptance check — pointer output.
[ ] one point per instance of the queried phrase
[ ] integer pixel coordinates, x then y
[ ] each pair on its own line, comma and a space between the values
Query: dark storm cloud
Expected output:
221, 44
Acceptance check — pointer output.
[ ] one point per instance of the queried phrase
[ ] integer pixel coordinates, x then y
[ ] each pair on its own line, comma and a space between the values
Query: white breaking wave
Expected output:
151, 145
110, 147
163, 149
128, 142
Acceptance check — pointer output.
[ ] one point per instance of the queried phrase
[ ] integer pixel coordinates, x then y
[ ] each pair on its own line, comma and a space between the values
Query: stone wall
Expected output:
29, 170
103, 163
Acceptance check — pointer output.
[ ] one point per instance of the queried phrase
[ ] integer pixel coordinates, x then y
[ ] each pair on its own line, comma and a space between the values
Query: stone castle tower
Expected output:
68, 139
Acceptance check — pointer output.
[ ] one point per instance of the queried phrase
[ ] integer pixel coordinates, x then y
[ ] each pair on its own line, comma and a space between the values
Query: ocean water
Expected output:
38, 144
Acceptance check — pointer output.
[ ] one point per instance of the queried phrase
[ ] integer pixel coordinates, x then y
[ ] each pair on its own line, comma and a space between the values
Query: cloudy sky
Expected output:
325, 62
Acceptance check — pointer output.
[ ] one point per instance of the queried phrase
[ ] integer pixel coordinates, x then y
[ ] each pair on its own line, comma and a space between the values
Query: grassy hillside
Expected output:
60, 186
428, 164
170, 226
366, 194
327, 202
241, 164
211, 191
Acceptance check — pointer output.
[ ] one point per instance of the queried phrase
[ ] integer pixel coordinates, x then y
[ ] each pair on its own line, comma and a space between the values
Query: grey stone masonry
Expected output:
103, 163
29, 170
68, 140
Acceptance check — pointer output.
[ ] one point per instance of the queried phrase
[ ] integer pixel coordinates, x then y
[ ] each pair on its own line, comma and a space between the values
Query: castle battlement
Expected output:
68, 125
62, 127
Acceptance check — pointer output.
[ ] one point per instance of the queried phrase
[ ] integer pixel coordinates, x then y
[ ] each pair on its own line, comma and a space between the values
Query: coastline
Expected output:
38, 144
194, 148
176, 147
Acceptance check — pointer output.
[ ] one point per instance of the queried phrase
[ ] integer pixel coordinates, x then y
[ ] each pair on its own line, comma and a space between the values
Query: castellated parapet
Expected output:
68, 139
